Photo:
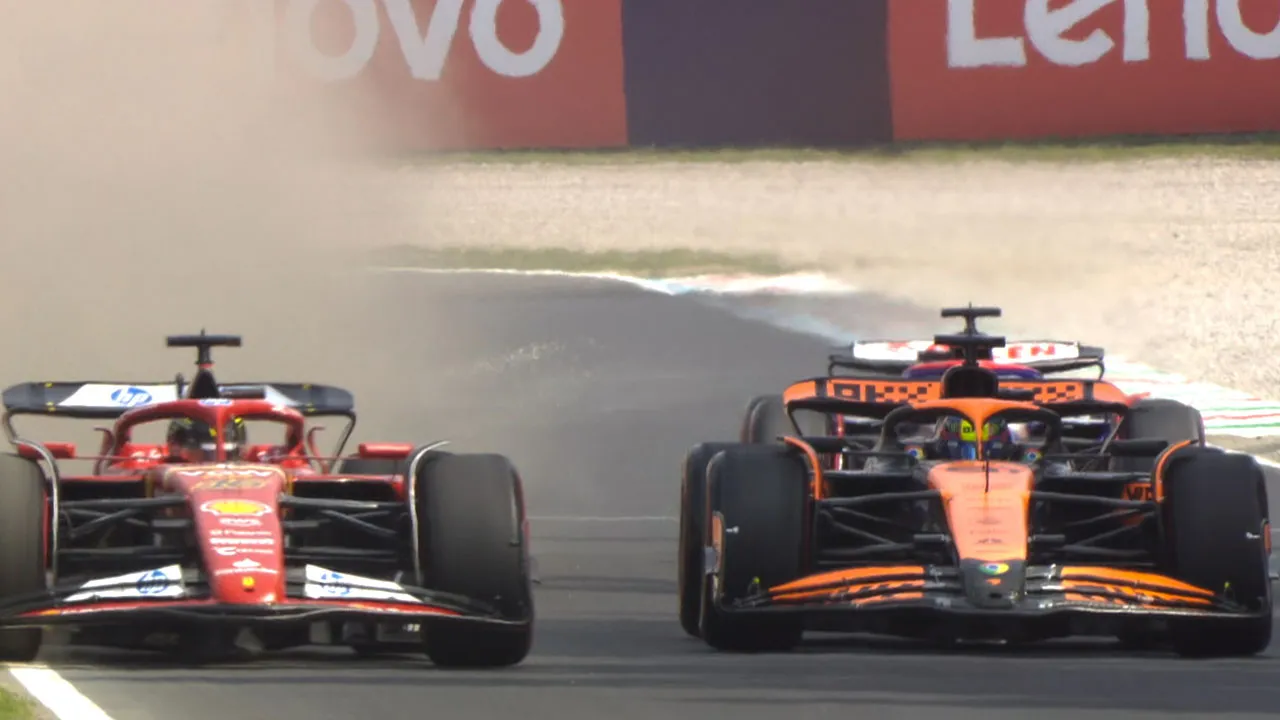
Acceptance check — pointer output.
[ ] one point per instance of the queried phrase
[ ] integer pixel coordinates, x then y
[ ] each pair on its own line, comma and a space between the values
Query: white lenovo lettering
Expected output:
1259, 46
1047, 28
424, 53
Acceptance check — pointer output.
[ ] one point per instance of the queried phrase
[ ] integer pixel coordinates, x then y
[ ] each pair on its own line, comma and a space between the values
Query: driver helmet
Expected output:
195, 440
958, 439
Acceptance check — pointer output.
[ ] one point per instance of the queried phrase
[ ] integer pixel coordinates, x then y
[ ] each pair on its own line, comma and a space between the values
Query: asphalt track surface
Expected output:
597, 390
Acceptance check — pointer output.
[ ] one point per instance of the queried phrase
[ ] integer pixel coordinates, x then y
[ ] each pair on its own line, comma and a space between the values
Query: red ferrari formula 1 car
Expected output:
984, 536
205, 544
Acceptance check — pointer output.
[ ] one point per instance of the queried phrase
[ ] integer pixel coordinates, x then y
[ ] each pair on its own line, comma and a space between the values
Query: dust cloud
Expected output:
157, 176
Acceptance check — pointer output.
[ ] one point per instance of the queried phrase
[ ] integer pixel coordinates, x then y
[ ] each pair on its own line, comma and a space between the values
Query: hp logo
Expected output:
130, 397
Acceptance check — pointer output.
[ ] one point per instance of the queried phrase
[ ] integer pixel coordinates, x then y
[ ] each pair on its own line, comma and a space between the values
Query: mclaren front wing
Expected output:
985, 589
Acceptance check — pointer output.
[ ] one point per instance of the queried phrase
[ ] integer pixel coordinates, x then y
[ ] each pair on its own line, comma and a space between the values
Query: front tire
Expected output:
1217, 540
472, 543
760, 494
693, 533
23, 516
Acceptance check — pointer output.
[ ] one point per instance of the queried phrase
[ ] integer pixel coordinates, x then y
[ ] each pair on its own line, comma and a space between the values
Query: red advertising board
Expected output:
466, 74
1017, 69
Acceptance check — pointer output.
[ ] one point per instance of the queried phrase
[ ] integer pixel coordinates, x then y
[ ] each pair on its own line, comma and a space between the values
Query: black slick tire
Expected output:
1215, 516
472, 542
22, 554
760, 495
1159, 419
1155, 419
693, 532
766, 420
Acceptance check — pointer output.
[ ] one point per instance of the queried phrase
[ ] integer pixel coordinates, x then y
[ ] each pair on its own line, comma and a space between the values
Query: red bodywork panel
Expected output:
122, 459
216, 413
384, 450
59, 450
235, 509
126, 607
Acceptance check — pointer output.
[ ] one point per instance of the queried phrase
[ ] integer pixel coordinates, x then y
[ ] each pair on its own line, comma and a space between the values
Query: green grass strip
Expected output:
1253, 146
638, 263
15, 707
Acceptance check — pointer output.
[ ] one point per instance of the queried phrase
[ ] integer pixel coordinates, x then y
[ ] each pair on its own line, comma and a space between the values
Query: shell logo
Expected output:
236, 507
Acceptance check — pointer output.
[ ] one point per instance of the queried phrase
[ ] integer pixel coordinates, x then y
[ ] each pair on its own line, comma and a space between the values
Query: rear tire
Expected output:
766, 419
761, 494
472, 541
693, 533
1159, 419
22, 547
1217, 529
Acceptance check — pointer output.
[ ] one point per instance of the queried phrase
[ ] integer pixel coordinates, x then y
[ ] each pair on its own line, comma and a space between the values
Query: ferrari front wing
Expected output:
172, 594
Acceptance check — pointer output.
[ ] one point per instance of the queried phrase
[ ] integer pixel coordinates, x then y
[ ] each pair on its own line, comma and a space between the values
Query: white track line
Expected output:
1261, 460
1268, 463
57, 695
601, 518
815, 284
65, 702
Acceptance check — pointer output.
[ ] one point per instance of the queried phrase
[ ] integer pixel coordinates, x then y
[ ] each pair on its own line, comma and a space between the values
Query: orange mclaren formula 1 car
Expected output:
973, 537
202, 543
1020, 366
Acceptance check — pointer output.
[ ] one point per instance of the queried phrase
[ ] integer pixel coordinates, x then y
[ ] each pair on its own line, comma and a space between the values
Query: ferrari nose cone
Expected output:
236, 514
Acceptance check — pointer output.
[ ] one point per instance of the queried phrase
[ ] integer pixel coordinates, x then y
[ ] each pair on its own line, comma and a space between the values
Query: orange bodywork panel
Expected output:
1044, 392
858, 587
818, 484
978, 409
1114, 577
1162, 465
864, 391
986, 506
1048, 392
875, 581
851, 576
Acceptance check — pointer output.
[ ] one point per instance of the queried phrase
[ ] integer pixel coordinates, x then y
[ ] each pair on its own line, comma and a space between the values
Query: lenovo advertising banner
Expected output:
494, 74
466, 74
1015, 69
